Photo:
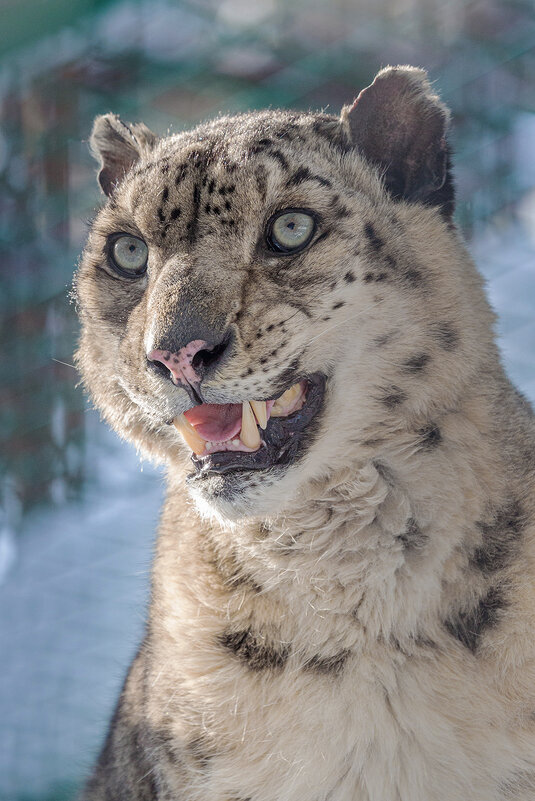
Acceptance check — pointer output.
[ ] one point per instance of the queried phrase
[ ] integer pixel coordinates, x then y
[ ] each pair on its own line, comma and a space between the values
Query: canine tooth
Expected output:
283, 404
260, 412
249, 435
189, 435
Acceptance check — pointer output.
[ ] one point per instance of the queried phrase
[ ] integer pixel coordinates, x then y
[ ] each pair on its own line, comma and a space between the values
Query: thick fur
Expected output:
359, 626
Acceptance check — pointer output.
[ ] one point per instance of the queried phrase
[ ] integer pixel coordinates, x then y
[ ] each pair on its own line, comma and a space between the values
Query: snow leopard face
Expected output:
264, 297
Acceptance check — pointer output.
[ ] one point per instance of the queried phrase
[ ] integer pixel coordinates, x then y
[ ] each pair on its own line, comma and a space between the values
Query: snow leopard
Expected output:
279, 307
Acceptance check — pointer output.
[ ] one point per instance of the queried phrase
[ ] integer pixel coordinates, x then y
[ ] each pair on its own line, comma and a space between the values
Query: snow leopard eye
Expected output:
129, 255
290, 230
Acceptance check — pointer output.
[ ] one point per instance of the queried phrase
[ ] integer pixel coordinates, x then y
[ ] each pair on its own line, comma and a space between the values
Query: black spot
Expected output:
380, 276
446, 335
194, 221
253, 650
412, 276
384, 339
304, 174
181, 174
416, 363
175, 213
349, 277
228, 205
338, 305
413, 538
200, 752
430, 437
468, 626
327, 665
393, 397
375, 241
207, 208
165, 194
278, 156
161, 215
270, 327
500, 538
211, 186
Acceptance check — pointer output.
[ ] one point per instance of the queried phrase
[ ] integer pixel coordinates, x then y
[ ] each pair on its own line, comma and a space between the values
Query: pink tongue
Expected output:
215, 422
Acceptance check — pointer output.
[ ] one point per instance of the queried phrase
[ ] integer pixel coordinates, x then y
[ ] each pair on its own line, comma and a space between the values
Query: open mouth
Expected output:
253, 435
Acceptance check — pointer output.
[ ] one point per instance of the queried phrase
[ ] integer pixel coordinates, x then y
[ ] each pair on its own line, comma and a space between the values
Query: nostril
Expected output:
209, 356
158, 367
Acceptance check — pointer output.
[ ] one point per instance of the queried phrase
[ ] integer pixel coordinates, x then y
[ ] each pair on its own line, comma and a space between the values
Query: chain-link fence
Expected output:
74, 565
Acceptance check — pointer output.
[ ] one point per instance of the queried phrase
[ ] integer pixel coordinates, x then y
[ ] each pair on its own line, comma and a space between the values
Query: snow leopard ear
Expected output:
117, 147
399, 124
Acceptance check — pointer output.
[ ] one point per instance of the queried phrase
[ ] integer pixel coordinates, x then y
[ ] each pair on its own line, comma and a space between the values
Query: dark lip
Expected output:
283, 439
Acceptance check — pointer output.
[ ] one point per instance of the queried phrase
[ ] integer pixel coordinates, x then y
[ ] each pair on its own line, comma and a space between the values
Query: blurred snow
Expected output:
74, 605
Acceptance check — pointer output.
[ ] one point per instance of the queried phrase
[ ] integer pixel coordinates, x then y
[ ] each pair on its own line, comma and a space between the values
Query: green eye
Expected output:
291, 230
129, 255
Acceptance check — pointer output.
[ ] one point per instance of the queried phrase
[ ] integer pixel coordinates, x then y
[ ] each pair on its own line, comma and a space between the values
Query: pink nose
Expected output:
180, 364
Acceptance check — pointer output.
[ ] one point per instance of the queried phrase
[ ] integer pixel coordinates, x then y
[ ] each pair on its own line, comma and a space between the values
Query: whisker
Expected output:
65, 363
341, 322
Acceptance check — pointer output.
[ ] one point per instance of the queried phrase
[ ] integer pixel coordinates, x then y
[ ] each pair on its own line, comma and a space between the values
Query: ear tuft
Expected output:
117, 147
399, 124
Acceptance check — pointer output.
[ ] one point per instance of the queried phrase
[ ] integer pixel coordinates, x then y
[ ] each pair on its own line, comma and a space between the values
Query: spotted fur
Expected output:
358, 624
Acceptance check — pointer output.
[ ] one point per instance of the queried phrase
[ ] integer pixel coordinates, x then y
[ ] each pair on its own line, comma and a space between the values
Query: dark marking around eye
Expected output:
500, 537
374, 239
349, 277
468, 625
416, 363
430, 437
327, 665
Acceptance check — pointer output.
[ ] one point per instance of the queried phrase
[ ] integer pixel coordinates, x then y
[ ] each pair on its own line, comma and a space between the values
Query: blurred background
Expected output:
78, 510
